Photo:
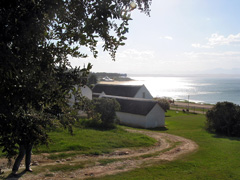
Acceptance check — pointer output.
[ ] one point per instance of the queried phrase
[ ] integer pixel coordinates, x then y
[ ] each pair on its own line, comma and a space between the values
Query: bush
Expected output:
92, 80
164, 103
224, 118
107, 109
94, 121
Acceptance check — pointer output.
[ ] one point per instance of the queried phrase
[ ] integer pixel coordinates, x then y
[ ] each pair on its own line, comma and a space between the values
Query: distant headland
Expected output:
110, 77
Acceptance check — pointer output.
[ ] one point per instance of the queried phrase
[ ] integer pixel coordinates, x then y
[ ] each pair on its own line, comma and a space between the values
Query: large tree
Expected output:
224, 119
36, 39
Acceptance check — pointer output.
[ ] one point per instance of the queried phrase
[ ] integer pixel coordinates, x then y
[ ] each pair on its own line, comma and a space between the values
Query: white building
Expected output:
85, 92
142, 113
132, 91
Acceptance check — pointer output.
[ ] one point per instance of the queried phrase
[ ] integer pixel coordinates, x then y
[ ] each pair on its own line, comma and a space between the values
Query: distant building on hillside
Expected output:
106, 78
142, 113
131, 91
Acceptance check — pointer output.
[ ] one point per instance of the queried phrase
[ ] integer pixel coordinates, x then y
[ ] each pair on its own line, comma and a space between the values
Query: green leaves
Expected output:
36, 40
224, 118
106, 108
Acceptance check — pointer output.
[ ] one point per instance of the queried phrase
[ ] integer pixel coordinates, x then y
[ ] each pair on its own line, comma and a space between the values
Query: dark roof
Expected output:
134, 105
117, 90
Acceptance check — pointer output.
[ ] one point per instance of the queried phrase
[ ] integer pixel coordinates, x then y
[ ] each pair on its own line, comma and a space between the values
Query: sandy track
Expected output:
168, 148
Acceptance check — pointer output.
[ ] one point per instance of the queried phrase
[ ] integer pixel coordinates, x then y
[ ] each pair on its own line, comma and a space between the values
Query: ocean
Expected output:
197, 89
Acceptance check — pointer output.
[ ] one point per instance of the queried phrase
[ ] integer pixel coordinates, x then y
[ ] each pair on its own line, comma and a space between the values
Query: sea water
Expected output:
196, 89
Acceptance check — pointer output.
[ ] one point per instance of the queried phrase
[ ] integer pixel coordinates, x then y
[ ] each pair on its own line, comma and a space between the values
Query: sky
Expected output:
179, 37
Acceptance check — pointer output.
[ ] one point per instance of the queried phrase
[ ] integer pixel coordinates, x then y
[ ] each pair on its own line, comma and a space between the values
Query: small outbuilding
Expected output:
131, 91
142, 113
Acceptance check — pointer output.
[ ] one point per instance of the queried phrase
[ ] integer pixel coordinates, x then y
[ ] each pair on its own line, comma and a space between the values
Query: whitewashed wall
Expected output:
143, 93
156, 117
86, 92
102, 94
133, 120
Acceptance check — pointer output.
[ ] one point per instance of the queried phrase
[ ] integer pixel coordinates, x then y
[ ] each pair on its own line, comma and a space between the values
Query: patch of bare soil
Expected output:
168, 148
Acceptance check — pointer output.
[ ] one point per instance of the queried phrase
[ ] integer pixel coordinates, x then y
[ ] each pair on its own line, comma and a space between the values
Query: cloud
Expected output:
222, 55
136, 54
216, 39
197, 45
219, 40
166, 37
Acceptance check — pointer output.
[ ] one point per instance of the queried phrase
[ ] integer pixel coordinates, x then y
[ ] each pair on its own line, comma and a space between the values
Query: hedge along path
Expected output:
168, 148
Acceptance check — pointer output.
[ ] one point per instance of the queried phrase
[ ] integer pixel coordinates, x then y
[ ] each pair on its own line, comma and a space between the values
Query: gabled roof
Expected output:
134, 105
117, 90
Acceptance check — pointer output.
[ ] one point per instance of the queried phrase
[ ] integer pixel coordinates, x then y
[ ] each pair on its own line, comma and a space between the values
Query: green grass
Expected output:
217, 157
104, 162
63, 155
197, 109
65, 167
60, 167
173, 113
90, 141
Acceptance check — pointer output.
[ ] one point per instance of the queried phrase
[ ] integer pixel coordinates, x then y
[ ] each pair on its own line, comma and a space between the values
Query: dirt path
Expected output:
168, 148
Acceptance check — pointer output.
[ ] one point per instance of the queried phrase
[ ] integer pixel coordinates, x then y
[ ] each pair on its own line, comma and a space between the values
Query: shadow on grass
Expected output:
16, 176
159, 129
89, 124
152, 129
219, 136
222, 136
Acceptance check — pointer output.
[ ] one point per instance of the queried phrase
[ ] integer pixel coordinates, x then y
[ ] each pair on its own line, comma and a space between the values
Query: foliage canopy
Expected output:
164, 103
36, 40
224, 118
107, 108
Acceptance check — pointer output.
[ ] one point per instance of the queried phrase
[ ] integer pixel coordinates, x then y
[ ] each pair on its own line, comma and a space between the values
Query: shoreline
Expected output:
200, 90
115, 82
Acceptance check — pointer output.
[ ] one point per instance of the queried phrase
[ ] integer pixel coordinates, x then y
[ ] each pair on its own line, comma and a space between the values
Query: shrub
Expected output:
164, 103
224, 118
107, 109
94, 121
92, 80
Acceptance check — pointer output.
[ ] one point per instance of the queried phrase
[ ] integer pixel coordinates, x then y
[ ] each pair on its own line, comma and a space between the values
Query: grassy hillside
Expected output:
217, 157
91, 141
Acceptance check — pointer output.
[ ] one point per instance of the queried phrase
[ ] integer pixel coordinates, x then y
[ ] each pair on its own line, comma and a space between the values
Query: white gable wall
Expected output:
86, 92
156, 117
133, 120
102, 94
71, 100
143, 93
